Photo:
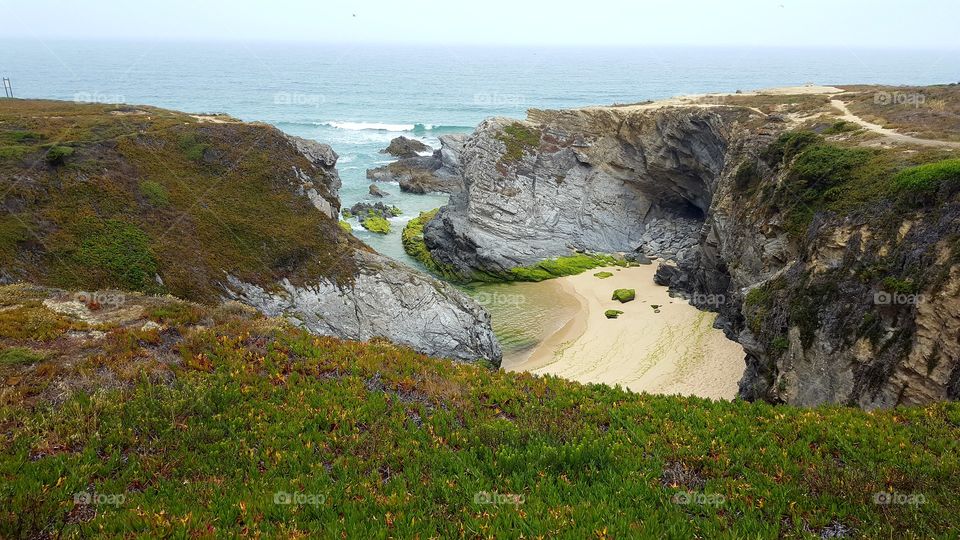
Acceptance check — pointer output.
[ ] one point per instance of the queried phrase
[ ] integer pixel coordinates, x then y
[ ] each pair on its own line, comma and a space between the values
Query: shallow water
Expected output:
524, 314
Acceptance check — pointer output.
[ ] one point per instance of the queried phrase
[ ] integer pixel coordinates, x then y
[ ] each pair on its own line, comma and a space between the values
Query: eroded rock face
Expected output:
388, 300
598, 180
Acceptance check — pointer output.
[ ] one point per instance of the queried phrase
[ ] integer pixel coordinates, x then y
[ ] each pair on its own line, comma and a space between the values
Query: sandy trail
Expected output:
886, 132
675, 351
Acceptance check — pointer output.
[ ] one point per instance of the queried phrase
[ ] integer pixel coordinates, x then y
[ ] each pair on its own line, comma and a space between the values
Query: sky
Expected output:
894, 24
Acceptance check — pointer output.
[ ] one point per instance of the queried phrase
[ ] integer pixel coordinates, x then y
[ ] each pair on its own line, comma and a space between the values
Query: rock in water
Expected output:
403, 147
424, 174
377, 192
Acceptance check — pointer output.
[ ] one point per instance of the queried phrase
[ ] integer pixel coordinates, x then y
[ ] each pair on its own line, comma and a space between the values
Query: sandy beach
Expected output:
673, 351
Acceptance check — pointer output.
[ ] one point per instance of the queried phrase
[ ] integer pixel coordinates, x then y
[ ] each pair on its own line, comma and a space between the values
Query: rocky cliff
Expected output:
207, 209
830, 250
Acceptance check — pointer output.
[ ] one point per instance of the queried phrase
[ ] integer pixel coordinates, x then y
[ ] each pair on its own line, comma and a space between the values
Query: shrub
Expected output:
901, 286
19, 355
788, 145
841, 126
155, 193
119, 252
193, 148
624, 295
57, 155
928, 177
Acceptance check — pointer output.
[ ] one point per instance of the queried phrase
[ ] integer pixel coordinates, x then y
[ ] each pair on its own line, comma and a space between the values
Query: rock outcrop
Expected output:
402, 147
386, 300
439, 172
840, 283
595, 181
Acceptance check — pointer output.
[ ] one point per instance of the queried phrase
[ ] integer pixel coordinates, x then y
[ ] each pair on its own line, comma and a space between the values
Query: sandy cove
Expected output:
675, 351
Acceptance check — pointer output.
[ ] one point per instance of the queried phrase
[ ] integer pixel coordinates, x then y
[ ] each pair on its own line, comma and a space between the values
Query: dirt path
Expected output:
888, 133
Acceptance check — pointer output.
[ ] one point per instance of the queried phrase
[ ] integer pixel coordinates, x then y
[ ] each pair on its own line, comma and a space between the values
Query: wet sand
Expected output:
675, 351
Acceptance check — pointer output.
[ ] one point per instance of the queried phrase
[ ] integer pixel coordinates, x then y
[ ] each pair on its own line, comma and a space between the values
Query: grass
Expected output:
625, 295
375, 440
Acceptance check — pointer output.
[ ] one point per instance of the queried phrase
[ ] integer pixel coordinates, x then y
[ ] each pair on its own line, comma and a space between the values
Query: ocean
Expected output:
357, 98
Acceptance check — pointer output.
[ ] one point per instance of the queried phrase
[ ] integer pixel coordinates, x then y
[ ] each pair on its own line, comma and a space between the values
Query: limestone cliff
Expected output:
830, 251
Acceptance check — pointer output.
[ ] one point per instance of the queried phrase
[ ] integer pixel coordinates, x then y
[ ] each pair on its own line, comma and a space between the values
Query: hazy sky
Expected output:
902, 24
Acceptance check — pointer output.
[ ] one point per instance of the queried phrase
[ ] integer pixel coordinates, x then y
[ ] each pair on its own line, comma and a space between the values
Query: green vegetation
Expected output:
563, 266
20, 355
840, 126
376, 223
929, 177
788, 145
780, 344
57, 155
899, 285
624, 295
603, 275
155, 193
747, 175
110, 254
612, 313
373, 440
345, 226
193, 146
347, 214
518, 139
414, 245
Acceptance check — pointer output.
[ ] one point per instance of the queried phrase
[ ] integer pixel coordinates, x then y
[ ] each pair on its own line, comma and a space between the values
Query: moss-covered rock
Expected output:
603, 275
375, 223
612, 313
624, 295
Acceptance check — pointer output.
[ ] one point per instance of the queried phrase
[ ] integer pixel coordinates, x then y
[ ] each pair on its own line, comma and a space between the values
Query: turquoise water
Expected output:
358, 98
